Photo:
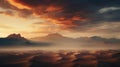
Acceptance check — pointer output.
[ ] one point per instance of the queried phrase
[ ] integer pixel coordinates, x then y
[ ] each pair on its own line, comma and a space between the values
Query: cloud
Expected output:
72, 14
104, 27
107, 9
5, 26
54, 11
8, 9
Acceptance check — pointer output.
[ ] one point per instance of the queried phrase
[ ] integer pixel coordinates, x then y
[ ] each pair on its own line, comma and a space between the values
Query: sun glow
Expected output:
16, 25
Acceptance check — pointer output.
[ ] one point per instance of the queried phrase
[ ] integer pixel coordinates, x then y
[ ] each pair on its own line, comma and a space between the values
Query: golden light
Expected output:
10, 24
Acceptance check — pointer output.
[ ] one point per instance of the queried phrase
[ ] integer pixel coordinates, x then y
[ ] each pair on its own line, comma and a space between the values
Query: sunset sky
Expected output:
71, 18
59, 33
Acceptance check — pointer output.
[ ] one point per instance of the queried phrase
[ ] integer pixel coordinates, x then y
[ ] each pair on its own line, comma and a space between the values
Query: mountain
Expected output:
58, 38
16, 36
18, 40
55, 37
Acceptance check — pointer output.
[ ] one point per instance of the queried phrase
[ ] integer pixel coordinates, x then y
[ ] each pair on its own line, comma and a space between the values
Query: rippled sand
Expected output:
61, 58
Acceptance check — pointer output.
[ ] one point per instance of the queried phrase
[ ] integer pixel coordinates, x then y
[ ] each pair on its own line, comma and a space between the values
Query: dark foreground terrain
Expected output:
39, 58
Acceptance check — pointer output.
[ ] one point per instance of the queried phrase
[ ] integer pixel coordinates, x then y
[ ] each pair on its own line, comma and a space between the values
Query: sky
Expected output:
81, 24
71, 18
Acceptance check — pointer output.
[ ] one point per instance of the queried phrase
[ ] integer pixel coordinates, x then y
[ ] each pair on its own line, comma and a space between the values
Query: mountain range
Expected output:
59, 40
58, 37
18, 40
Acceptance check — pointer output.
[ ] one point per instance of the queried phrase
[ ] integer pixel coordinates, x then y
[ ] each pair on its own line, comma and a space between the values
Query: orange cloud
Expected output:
53, 8
18, 5
55, 12
79, 18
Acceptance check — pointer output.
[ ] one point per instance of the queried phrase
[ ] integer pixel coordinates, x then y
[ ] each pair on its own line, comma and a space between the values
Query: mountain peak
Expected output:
54, 35
15, 36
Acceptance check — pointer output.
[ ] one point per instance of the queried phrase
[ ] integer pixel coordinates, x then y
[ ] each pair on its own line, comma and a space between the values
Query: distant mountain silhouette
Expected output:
55, 37
18, 40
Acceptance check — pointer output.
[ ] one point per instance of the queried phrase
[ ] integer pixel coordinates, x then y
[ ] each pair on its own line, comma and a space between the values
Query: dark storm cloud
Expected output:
71, 8
72, 14
111, 16
16, 40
